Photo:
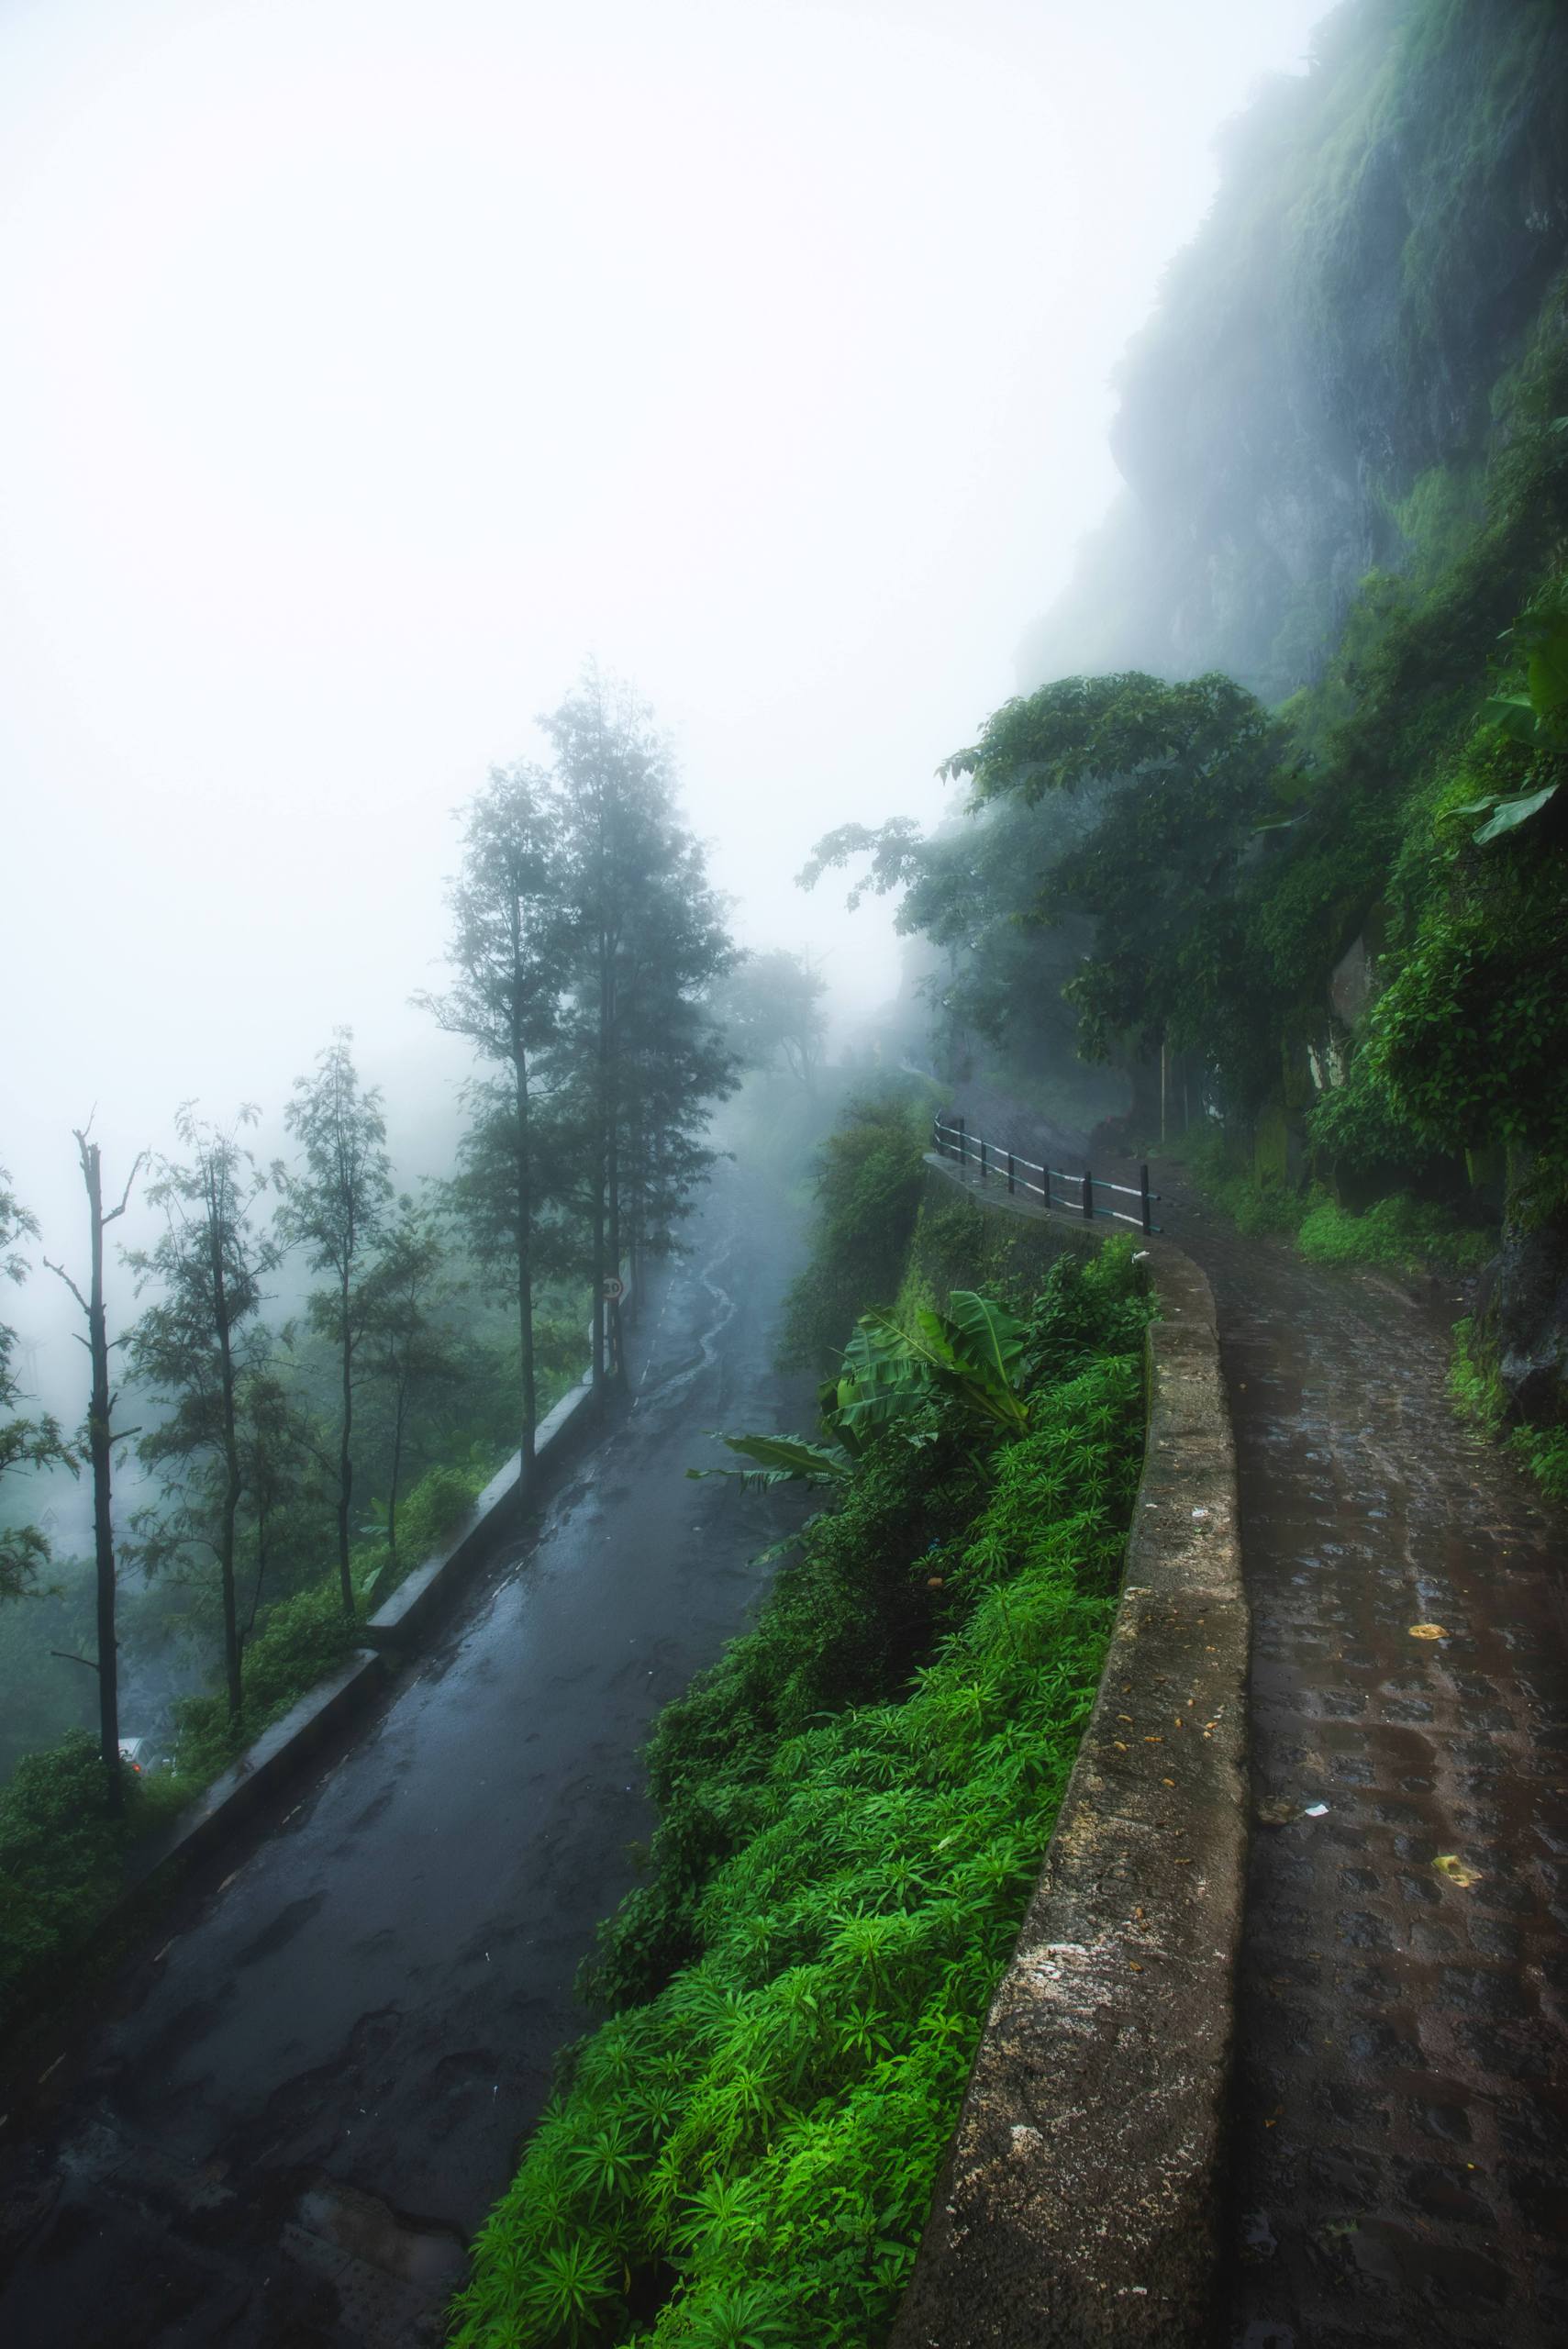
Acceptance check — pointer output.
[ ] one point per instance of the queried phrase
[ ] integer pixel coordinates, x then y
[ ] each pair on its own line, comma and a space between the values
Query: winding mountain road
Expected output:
297, 2111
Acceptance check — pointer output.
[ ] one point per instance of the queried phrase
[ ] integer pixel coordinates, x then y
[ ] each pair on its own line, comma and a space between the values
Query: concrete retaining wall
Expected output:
1079, 2200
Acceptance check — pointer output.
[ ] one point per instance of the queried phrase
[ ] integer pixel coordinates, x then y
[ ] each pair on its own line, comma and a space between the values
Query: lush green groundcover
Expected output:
854, 1805
1477, 1390
1405, 1233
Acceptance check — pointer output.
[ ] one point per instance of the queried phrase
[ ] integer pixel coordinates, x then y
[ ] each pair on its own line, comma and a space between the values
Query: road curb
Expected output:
419, 1596
259, 1770
1080, 2199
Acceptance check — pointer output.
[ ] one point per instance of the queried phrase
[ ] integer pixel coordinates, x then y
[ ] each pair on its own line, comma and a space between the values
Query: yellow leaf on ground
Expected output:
1427, 1632
1452, 1870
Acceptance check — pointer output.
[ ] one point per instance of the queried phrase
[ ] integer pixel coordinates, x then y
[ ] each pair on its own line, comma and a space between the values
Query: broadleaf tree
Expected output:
770, 1006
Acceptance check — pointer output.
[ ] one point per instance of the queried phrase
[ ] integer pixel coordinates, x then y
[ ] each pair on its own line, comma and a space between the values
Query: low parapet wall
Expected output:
1079, 2201
404, 1617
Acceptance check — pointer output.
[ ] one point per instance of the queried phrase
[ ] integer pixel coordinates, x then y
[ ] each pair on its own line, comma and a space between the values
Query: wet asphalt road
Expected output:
295, 2115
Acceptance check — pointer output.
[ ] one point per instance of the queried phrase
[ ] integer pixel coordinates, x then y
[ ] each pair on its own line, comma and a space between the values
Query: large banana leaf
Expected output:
992, 1339
783, 1460
1514, 812
884, 1375
887, 1368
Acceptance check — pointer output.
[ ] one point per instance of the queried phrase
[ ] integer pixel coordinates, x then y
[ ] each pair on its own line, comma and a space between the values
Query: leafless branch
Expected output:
140, 1160
70, 1284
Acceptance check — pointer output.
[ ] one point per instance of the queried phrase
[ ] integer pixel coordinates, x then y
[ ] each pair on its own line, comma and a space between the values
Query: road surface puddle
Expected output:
419, 2251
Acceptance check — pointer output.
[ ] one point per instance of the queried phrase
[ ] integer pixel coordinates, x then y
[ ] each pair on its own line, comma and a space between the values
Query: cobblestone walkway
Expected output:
1400, 2152
1401, 2146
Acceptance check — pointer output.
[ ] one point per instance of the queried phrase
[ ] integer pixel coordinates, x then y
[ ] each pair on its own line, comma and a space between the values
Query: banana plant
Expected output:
1536, 719
783, 1460
972, 1355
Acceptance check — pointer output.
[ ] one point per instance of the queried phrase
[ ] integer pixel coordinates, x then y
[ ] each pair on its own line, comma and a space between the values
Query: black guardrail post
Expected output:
962, 1145
1088, 1197
1009, 1172
1143, 1188
984, 1176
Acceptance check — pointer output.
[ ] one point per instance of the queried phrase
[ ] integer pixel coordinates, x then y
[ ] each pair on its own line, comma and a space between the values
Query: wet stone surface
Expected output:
1401, 2164
1400, 2128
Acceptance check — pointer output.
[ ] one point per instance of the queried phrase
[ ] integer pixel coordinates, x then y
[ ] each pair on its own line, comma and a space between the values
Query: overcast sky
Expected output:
370, 363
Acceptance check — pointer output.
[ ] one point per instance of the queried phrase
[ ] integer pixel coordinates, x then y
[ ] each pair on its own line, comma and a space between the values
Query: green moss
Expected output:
1477, 1394
1439, 517
1409, 1235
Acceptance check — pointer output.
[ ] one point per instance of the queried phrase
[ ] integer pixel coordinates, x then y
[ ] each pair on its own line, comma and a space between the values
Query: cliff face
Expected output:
1315, 396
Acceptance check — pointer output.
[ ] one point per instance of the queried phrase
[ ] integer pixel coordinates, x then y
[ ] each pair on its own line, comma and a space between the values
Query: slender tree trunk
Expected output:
398, 1415
525, 1250
232, 1481
598, 1221
261, 1578
345, 1460
103, 1521
616, 1367
601, 1162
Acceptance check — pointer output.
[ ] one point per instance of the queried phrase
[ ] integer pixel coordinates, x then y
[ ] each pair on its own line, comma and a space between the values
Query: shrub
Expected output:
433, 1511
60, 1856
1411, 1235
1477, 1394
1253, 1207
302, 1639
868, 1191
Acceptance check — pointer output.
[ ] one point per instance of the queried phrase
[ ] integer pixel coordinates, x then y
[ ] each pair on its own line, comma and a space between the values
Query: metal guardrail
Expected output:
1082, 1191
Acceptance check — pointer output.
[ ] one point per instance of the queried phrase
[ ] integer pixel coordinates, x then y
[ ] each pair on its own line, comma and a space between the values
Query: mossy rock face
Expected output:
957, 1244
1272, 1146
1526, 1321
1486, 1172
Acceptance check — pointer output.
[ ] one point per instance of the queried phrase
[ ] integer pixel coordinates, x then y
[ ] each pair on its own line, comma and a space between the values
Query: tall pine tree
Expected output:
334, 1206
508, 954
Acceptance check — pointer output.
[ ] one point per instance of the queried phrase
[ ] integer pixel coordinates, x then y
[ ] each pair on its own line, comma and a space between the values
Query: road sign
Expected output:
614, 1289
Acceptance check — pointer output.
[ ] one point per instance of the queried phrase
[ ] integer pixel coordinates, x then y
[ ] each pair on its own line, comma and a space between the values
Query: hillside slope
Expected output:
1324, 380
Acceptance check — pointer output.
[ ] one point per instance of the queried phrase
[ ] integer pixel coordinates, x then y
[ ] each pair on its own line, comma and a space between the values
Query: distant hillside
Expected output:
1324, 380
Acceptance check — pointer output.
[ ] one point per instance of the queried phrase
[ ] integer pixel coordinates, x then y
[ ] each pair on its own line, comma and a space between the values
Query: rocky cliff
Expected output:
1317, 394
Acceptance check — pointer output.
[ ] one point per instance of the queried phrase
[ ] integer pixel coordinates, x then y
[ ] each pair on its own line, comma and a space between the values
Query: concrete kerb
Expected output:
558, 1438
403, 1618
1080, 2199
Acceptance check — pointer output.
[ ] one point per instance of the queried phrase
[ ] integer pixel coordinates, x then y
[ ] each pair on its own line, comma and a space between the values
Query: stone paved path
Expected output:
1400, 2158
1401, 2149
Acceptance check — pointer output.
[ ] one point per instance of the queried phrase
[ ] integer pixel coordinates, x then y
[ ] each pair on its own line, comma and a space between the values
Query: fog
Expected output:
371, 365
